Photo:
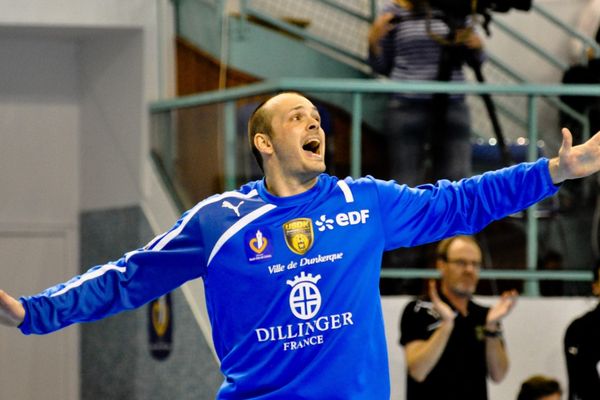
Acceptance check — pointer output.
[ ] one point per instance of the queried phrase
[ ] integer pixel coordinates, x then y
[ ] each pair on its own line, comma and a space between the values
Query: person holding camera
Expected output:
589, 25
411, 41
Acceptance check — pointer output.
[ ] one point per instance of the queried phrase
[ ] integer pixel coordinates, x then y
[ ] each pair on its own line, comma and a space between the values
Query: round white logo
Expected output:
305, 298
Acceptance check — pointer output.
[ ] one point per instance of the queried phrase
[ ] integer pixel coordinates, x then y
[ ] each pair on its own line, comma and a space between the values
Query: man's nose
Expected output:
471, 268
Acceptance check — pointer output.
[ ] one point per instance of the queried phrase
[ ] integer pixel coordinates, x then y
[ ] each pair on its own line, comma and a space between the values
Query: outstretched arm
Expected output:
575, 161
138, 277
12, 312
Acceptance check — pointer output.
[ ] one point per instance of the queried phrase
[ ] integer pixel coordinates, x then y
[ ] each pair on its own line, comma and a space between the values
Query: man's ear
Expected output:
263, 143
440, 265
596, 288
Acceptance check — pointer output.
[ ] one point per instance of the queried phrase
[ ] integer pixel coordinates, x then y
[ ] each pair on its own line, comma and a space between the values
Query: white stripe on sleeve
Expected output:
91, 275
235, 228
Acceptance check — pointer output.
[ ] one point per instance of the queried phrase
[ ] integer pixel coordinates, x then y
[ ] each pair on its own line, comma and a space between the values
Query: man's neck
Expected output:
285, 187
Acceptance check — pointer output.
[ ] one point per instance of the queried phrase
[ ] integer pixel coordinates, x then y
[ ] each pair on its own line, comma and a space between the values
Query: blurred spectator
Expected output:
589, 25
539, 387
582, 350
451, 343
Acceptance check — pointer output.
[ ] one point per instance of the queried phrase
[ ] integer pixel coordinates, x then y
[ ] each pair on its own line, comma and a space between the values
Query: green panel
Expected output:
284, 57
200, 23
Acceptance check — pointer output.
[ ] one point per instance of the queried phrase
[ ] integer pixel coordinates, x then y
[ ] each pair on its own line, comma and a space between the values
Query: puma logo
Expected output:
235, 209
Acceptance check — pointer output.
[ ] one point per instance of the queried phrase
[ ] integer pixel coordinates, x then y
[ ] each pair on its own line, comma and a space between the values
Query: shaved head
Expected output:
260, 122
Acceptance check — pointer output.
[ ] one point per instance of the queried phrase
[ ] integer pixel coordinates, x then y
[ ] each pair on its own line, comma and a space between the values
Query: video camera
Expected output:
462, 8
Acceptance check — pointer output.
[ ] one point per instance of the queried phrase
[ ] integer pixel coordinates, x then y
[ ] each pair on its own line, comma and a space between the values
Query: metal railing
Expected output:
356, 89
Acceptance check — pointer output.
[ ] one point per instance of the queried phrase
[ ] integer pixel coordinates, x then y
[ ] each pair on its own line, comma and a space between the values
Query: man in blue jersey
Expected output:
290, 263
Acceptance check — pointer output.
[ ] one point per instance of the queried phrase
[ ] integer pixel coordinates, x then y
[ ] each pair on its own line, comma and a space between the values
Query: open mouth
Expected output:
313, 146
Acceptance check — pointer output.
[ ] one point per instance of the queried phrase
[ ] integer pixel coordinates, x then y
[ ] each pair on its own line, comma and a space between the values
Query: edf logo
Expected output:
342, 219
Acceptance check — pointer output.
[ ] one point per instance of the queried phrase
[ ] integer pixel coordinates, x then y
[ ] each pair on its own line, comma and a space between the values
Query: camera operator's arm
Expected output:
472, 41
380, 27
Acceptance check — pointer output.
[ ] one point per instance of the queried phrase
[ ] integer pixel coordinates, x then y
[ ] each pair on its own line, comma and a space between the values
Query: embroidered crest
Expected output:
299, 235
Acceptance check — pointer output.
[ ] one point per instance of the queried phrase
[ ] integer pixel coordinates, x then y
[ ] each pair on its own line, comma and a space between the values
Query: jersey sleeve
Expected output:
428, 213
138, 277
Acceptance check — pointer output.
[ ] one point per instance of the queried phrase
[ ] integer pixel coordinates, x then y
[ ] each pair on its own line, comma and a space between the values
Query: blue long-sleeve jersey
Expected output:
292, 284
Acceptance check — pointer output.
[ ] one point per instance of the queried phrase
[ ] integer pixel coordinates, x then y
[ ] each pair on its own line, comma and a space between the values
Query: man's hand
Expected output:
12, 312
575, 162
446, 312
501, 309
496, 357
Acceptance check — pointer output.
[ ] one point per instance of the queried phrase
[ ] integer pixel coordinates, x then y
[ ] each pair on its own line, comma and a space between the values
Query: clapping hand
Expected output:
446, 312
501, 309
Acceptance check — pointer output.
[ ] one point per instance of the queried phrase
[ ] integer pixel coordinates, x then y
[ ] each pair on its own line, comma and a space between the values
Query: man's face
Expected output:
297, 137
460, 270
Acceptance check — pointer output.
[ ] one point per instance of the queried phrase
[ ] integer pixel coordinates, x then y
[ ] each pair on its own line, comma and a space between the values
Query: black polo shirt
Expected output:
461, 372
582, 352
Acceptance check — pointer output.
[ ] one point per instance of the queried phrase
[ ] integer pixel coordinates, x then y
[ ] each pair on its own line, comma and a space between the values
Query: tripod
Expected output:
453, 55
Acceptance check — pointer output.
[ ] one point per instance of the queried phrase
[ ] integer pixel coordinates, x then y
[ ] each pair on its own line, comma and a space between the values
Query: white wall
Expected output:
39, 130
39, 164
122, 66
534, 333
76, 77
113, 109
46, 366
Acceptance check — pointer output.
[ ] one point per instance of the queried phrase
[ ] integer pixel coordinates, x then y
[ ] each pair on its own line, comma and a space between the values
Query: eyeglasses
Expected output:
461, 262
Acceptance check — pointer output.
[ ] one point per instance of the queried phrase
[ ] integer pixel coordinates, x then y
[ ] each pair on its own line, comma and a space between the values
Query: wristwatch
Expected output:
496, 333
